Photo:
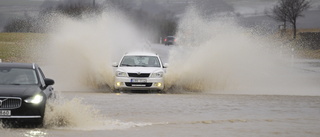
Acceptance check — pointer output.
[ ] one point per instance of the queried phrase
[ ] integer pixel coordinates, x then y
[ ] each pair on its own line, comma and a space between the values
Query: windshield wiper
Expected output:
126, 65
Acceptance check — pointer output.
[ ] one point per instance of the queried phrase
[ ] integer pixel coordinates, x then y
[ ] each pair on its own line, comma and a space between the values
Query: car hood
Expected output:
18, 90
140, 69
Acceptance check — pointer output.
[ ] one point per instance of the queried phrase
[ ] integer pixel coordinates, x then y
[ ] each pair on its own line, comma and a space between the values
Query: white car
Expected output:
139, 71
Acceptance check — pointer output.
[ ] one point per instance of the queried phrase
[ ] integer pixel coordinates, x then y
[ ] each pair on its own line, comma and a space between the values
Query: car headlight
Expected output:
157, 75
35, 99
121, 74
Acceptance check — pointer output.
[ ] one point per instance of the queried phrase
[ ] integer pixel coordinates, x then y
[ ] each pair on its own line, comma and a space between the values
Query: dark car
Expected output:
169, 40
24, 91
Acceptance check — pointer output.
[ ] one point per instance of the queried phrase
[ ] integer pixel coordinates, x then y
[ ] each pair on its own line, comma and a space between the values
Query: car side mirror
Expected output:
114, 64
165, 65
48, 81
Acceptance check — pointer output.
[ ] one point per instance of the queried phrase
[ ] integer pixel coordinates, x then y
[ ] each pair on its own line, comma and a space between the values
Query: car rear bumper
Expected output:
126, 83
169, 43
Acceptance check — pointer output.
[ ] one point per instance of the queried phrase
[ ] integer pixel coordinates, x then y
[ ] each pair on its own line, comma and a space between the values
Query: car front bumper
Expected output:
35, 116
26, 111
133, 83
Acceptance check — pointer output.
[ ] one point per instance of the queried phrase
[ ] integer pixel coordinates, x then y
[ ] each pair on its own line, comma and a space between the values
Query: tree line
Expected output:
38, 23
161, 24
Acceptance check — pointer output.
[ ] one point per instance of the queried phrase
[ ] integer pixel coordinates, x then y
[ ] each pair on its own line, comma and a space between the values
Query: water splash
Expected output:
214, 54
81, 51
75, 114
219, 56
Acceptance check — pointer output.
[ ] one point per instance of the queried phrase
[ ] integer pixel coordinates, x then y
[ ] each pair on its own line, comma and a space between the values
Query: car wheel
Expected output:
115, 90
37, 123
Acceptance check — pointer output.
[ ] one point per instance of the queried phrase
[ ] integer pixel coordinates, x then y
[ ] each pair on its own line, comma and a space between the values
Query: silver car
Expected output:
139, 72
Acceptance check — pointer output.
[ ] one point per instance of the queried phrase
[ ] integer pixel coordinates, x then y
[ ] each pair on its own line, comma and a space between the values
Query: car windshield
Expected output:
140, 61
17, 76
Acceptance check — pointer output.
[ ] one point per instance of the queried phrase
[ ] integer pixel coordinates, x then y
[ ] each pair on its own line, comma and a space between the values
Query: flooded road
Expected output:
289, 108
281, 109
186, 115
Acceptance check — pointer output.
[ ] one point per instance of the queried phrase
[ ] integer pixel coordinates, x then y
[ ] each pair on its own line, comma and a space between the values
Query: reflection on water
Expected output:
23, 132
35, 133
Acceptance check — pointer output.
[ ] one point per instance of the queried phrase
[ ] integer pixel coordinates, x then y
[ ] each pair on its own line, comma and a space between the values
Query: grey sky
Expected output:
16, 8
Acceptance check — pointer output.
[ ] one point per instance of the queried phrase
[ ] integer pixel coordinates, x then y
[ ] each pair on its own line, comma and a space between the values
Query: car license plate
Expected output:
138, 85
139, 80
5, 112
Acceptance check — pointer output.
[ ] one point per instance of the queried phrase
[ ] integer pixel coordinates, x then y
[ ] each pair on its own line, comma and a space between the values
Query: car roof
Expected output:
141, 54
18, 65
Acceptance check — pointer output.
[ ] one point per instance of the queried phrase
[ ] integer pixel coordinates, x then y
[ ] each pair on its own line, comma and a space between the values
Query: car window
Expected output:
170, 38
41, 72
140, 61
41, 76
17, 76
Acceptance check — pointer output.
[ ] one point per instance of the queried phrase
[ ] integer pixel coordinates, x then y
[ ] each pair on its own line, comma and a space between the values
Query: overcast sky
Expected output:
243, 6
16, 8
13, 7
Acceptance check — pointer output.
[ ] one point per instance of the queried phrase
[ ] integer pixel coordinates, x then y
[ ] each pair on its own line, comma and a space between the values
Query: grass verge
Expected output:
17, 47
309, 54
14, 47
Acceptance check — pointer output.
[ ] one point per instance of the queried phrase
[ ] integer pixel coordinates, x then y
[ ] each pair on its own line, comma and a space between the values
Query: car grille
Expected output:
130, 84
139, 75
10, 102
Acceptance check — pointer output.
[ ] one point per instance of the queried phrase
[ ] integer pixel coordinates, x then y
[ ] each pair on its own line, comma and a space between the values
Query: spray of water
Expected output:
59, 114
81, 51
214, 54
76, 114
217, 55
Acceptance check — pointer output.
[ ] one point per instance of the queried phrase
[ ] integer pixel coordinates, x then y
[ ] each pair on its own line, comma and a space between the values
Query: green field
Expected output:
14, 47
309, 54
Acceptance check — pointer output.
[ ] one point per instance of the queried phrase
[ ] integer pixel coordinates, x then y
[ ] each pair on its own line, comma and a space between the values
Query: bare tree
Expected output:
289, 11
279, 14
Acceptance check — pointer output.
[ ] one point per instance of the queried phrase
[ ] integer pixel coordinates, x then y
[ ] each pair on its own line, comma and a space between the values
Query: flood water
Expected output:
275, 111
183, 115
